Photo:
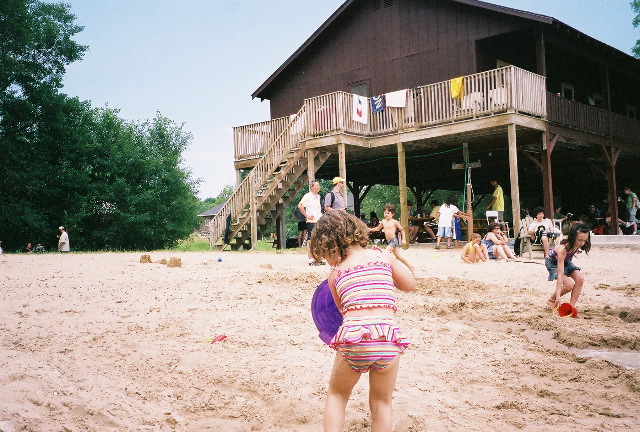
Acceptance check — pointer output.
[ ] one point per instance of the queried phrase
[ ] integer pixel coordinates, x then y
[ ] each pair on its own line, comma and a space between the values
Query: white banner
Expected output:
360, 109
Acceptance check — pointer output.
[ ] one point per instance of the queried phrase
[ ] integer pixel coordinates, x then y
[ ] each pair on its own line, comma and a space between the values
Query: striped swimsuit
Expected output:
368, 342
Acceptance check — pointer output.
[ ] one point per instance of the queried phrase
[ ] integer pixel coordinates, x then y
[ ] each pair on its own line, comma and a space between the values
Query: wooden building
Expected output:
546, 110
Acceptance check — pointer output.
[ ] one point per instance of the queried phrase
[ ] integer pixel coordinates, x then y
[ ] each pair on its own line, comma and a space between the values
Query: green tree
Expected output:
35, 45
222, 197
635, 6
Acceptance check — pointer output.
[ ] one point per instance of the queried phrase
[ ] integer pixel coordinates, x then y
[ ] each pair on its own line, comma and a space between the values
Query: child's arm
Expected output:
402, 277
403, 239
378, 228
332, 286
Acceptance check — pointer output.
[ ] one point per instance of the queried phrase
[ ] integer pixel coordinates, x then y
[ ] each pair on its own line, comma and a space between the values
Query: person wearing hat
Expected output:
63, 240
334, 199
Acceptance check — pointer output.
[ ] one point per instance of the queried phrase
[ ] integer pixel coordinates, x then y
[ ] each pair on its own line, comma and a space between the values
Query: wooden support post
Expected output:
281, 228
513, 176
311, 164
254, 215
342, 168
548, 144
469, 209
611, 158
402, 183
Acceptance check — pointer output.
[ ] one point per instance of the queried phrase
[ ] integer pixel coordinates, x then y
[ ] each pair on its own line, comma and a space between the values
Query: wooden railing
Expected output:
590, 119
508, 89
288, 138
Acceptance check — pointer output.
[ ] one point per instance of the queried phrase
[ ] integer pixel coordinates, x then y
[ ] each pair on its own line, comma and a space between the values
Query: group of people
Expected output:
362, 282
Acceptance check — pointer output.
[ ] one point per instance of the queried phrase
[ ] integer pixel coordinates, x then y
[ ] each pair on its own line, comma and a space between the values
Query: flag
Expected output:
360, 111
456, 88
377, 103
397, 99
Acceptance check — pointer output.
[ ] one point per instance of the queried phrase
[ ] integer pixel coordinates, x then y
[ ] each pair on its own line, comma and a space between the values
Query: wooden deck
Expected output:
280, 151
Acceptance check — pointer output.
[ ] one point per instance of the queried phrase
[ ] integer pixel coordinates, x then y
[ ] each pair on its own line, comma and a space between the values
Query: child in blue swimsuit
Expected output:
561, 268
362, 283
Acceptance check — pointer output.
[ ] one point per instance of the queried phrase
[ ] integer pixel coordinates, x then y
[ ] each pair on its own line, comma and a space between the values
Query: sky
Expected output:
197, 62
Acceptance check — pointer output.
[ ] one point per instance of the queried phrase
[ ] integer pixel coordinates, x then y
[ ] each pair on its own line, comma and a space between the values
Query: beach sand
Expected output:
103, 342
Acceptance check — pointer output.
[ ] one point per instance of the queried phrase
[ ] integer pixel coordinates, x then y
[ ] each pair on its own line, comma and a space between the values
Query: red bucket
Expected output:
566, 310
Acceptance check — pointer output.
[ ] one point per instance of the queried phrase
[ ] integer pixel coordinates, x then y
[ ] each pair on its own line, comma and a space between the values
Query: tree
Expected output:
113, 184
635, 6
35, 45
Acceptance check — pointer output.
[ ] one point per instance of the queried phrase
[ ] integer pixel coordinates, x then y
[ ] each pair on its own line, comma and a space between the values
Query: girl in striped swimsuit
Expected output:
560, 266
362, 282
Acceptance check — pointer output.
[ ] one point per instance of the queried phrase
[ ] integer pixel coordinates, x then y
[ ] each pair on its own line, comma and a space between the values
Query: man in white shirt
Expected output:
63, 240
540, 229
310, 208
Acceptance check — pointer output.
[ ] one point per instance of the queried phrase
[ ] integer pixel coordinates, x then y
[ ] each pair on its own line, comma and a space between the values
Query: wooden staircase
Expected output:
267, 190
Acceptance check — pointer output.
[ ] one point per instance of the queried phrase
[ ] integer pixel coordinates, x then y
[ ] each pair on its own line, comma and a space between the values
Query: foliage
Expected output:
635, 6
113, 184
222, 197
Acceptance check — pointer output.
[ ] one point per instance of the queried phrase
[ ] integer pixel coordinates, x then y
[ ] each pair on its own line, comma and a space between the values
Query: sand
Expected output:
103, 342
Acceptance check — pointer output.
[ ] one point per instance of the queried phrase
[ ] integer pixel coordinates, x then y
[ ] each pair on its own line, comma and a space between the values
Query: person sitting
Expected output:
413, 226
28, 248
541, 229
373, 220
497, 244
39, 248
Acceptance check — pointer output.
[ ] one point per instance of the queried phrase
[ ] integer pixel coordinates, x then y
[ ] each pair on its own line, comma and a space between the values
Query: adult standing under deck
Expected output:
497, 200
334, 200
310, 208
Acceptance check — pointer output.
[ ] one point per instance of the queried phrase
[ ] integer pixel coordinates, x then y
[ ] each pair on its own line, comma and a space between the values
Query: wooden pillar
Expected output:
342, 168
611, 159
469, 209
548, 144
281, 228
513, 175
238, 179
311, 164
254, 215
402, 183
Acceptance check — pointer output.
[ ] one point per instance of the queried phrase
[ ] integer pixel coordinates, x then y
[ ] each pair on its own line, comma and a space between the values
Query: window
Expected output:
501, 63
360, 89
631, 112
375, 5
388, 3
568, 91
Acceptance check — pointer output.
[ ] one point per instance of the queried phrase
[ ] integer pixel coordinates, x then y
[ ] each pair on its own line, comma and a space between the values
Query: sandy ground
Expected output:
102, 342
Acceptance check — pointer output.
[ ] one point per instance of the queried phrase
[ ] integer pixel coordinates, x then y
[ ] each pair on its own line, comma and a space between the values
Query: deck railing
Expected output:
288, 138
508, 89
583, 117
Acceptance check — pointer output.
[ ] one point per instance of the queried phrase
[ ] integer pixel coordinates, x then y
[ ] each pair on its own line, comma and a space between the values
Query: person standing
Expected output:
334, 199
632, 208
302, 226
63, 240
310, 208
497, 200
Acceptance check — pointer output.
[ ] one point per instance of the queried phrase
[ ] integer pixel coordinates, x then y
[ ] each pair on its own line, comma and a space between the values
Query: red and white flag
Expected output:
360, 109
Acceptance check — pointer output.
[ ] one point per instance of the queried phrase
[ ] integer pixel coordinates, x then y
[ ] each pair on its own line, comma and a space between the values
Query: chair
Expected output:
493, 216
525, 240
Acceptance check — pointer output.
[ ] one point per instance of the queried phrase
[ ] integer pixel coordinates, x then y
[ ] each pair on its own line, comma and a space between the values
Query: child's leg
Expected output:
396, 252
567, 286
381, 384
578, 279
341, 383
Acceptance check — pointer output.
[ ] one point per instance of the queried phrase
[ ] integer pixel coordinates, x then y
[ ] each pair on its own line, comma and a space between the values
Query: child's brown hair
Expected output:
475, 236
391, 208
334, 232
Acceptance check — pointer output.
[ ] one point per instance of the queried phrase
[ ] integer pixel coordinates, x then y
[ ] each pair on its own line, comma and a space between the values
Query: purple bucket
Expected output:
325, 313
